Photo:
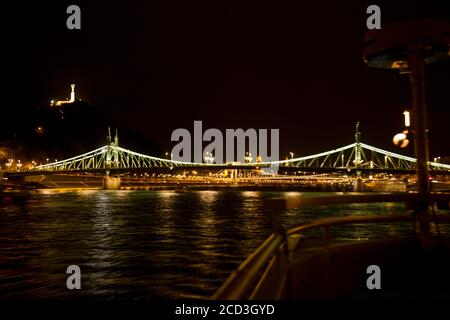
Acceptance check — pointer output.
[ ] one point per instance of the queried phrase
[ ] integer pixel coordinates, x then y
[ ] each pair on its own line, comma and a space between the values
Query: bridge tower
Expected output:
108, 151
108, 137
358, 161
115, 150
112, 154
112, 161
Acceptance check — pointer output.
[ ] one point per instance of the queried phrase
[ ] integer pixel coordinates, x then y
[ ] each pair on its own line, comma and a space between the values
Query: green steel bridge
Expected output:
353, 158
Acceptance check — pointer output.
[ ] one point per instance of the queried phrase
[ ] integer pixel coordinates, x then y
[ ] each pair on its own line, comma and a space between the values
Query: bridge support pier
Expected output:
359, 185
111, 183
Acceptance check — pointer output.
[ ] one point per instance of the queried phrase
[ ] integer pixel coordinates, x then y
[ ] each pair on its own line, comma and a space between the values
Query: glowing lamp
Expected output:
401, 140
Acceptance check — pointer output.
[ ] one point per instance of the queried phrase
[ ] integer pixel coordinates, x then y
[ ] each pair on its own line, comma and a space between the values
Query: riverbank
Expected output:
278, 183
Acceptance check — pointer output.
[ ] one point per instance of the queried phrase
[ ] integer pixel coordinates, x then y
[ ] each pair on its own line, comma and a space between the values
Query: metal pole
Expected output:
417, 66
419, 118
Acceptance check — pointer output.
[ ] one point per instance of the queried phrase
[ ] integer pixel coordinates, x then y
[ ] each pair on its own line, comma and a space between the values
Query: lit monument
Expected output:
59, 103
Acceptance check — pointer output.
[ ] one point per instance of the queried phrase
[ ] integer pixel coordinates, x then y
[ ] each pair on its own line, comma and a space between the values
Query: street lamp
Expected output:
401, 139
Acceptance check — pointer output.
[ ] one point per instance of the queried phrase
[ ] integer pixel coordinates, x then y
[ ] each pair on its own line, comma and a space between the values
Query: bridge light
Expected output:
401, 139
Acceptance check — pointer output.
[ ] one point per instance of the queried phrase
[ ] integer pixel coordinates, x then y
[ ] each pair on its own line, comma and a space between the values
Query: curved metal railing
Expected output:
267, 267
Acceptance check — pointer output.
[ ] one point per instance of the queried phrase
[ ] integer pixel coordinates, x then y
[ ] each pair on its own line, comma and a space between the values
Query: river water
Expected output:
134, 244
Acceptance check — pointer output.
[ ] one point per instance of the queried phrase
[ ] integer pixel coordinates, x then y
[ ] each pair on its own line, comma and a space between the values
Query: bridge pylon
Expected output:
112, 153
112, 161
358, 161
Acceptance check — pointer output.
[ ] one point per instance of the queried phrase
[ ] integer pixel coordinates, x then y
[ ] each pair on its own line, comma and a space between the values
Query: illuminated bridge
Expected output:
359, 157
354, 158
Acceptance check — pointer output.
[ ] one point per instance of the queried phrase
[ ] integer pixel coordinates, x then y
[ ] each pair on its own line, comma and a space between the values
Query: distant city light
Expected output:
39, 129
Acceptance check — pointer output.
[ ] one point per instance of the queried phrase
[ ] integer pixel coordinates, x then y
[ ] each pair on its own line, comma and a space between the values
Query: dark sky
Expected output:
160, 65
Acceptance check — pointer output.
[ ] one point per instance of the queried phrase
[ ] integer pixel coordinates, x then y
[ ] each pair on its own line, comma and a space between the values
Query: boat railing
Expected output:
266, 269
240, 282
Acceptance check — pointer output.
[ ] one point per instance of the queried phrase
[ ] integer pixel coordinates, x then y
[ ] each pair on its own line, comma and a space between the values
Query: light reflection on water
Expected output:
145, 244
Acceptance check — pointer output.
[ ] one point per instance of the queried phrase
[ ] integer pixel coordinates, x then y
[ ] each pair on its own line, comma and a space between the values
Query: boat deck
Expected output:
340, 270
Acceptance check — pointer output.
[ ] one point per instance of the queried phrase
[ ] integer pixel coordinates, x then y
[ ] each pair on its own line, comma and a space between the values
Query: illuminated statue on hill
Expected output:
63, 102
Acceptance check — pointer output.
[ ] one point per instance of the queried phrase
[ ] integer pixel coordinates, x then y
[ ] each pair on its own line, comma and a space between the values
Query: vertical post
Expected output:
419, 120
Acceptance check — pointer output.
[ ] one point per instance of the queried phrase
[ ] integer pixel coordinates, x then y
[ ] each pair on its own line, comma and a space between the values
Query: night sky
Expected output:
159, 65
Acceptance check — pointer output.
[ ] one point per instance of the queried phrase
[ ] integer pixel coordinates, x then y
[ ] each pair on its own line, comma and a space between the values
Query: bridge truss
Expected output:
362, 156
352, 156
355, 156
113, 157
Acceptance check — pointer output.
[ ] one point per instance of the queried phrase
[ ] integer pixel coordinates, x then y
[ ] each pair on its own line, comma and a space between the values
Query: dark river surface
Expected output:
144, 244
